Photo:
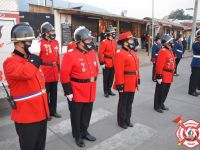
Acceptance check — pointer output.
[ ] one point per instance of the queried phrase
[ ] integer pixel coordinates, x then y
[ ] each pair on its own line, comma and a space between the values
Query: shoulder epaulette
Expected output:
118, 51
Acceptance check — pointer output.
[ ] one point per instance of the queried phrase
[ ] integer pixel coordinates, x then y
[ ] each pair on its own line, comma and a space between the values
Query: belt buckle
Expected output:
92, 79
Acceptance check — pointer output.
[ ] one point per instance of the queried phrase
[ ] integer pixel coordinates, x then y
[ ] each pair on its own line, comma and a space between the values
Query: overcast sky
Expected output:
143, 8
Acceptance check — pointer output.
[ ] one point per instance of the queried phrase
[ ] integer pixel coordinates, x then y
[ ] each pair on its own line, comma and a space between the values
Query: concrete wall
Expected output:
57, 23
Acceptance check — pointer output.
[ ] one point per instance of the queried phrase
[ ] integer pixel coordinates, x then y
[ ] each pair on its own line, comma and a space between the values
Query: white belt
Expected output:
196, 56
179, 51
30, 96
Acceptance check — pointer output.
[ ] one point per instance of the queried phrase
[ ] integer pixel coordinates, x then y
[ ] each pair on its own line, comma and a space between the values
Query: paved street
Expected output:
152, 131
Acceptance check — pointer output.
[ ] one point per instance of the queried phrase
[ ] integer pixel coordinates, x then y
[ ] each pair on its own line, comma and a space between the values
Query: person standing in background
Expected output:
71, 45
165, 67
184, 42
189, 41
154, 54
106, 52
127, 78
50, 65
195, 66
178, 51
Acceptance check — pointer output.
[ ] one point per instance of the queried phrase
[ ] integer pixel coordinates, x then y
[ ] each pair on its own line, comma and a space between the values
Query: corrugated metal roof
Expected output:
9, 5
103, 14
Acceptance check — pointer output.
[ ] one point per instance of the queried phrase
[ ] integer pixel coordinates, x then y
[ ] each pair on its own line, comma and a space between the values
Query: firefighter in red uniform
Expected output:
164, 73
50, 65
71, 45
78, 76
107, 50
127, 78
27, 88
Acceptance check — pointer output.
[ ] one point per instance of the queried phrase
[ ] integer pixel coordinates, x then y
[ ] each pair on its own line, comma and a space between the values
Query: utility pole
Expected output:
194, 23
52, 7
152, 30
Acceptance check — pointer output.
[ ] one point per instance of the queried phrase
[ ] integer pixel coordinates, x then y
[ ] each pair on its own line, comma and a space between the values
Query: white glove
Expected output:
103, 66
35, 47
159, 81
70, 97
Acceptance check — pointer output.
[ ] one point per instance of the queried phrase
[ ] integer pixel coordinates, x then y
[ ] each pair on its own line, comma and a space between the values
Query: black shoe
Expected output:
130, 124
164, 108
56, 115
193, 93
111, 93
89, 137
49, 119
106, 95
80, 142
124, 126
159, 110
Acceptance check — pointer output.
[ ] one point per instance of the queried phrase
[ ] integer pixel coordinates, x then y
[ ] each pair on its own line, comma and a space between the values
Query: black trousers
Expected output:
125, 107
153, 71
177, 62
32, 136
160, 95
194, 79
80, 118
108, 77
51, 88
147, 47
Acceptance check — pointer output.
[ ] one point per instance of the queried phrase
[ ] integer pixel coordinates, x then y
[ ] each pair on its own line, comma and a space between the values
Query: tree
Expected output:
179, 14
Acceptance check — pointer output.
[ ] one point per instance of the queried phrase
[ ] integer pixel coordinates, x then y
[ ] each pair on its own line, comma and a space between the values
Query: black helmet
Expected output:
46, 27
22, 32
198, 33
166, 39
110, 29
82, 34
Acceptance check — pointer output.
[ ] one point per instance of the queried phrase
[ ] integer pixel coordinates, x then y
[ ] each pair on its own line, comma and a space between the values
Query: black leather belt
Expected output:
130, 72
84, 80
106, 56
168, 70
47, 64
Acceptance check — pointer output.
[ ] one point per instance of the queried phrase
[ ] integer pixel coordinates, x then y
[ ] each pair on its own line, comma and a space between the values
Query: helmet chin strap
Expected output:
167, 45
46, 37
82, 48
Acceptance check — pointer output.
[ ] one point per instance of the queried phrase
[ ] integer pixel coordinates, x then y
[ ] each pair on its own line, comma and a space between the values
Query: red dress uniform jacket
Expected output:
107, 50
50, 60
27, 87
71, 45
126, 65
165, 65
80, 65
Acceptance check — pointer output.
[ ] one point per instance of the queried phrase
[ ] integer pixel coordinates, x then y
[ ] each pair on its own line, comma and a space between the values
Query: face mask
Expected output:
113, 36
26, 47
52, 36
89, 46
131, 46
